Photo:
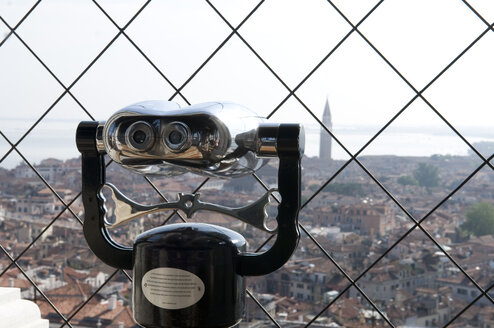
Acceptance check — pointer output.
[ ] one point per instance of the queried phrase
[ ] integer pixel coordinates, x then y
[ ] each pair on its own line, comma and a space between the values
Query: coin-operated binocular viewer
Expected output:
189, 274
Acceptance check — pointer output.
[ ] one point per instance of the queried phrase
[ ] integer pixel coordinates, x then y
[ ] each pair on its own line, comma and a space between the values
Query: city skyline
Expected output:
58, 137
351, 218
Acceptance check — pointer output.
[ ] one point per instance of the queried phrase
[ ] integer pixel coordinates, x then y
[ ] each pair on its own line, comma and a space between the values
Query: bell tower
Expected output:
325, 138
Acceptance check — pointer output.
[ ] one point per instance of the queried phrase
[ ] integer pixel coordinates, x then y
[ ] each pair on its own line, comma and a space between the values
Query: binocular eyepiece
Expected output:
177, 137
140, 136
214, 139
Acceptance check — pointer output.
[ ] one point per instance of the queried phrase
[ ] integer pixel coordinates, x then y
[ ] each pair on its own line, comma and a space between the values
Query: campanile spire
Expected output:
325, 138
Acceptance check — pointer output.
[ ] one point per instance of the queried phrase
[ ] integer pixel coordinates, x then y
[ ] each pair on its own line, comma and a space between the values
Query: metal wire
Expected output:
222, 44
60, 199
47, 68
458, 315
141, 52
90, 297
291, 93
335, 48
263, 309
76, 80
20, 22
34, 285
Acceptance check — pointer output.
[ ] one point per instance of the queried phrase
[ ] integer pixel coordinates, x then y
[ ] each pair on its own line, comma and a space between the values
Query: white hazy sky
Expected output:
419, 37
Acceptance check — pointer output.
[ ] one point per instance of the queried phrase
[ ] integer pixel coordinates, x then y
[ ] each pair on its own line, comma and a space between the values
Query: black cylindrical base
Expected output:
185, 276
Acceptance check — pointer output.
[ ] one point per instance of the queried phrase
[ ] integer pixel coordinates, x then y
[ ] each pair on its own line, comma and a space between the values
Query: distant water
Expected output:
56, 138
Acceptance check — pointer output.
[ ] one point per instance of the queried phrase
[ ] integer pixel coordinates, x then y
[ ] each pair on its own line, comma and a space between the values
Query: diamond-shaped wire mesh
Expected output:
381, 245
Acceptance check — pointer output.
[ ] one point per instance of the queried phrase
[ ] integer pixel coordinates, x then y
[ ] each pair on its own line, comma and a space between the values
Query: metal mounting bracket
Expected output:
126, 209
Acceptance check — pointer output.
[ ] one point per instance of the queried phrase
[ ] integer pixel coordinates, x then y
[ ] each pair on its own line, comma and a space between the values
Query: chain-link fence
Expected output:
399, 256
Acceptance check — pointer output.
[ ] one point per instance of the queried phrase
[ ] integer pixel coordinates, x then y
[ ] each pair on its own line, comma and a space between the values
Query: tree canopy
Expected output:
480, 219
347, 189
407, 180
426, 175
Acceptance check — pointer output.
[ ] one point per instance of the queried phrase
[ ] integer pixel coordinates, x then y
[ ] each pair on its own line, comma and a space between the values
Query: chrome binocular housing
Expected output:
218, 139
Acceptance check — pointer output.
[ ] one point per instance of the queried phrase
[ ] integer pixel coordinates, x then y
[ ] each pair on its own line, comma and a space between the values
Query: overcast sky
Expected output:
419, 37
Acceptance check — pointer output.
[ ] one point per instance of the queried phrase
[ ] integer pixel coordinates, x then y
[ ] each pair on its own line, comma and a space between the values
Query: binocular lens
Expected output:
139, 136
176, 136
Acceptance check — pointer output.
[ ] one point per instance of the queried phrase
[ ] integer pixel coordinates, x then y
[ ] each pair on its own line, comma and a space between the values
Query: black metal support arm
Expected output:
93, 179
289, 147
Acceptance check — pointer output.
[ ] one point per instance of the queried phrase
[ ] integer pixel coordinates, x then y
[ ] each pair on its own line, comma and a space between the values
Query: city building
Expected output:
363, 218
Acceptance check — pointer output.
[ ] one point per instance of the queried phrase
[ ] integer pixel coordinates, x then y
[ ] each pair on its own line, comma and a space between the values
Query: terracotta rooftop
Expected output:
69, 298
101, 311
71, 275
